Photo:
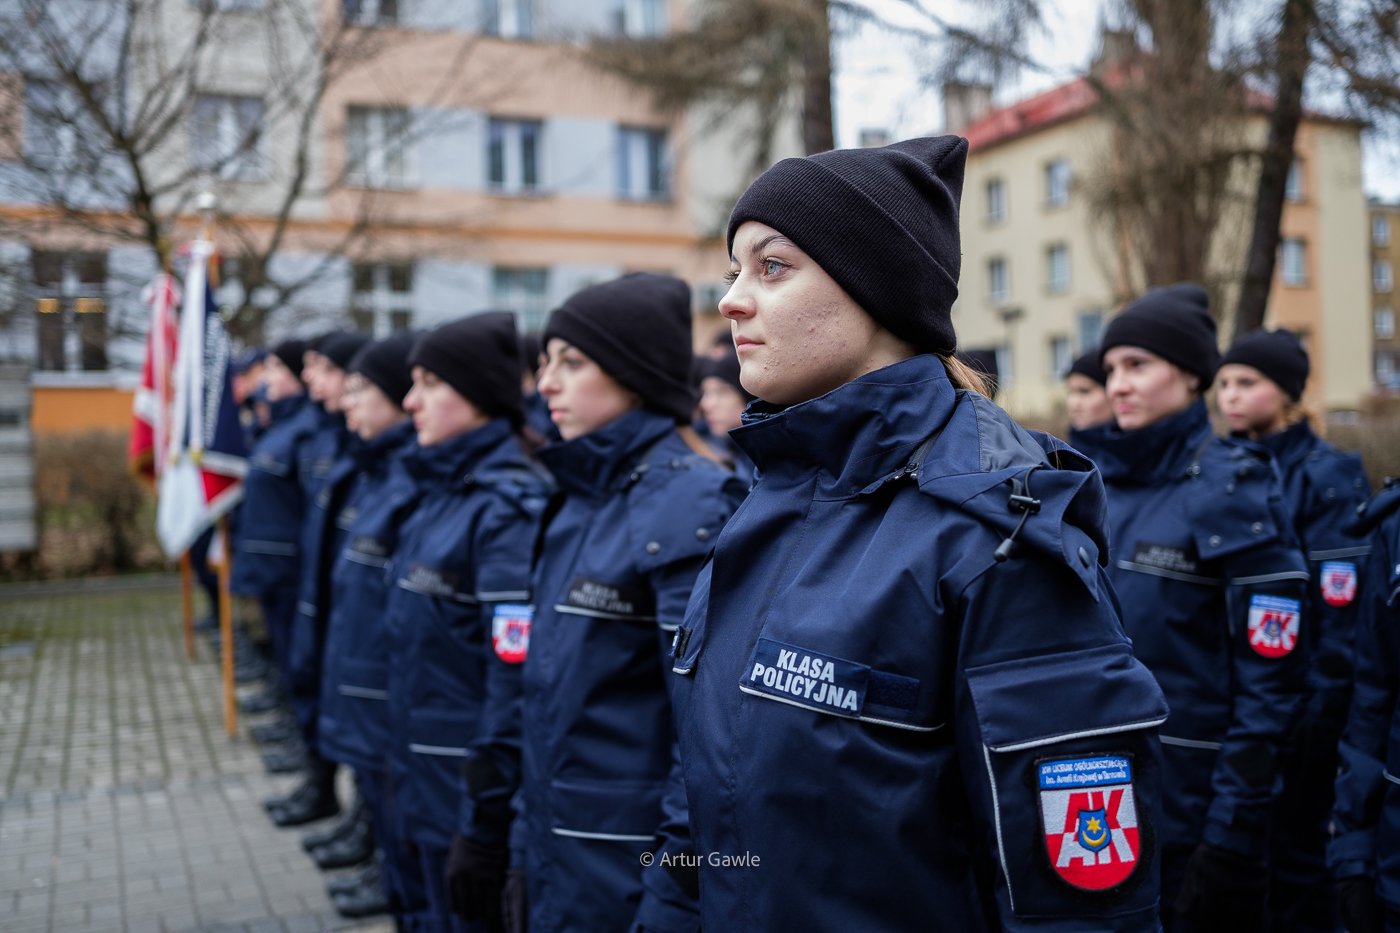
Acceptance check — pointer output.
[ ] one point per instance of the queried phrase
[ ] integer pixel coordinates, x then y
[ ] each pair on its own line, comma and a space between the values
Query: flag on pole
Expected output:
202, 478
150, 410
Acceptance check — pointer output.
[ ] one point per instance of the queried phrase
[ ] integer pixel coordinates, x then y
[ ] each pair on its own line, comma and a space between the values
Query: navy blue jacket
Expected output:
318, 456
268, 545
461, 562
1214, 592
353, 724
1366, 816
617, 558
886, 725
1323, 486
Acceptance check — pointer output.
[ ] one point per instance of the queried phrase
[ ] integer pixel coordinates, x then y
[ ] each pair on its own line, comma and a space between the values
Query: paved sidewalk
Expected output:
123, 803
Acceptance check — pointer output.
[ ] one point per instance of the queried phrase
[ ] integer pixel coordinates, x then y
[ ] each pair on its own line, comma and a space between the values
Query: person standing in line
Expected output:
1213, 586
641, 502
722, 402
905, 699
1364, 854
455, 622
1259, 392
1086, 392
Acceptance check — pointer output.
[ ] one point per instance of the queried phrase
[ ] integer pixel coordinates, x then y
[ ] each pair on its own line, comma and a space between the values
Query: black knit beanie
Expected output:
725, 367
385, 363
1089, 364
1278, 354
479, 357
882, 222
637, 328
1173, 322
292, 353
340, 348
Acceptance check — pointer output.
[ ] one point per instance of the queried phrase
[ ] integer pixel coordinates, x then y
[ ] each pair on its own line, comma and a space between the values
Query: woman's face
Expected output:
797, 332
439, 412
1144, 388
721, 404
330, 386
368, 411
1250, 402
582, 398
1087, 402
280, 381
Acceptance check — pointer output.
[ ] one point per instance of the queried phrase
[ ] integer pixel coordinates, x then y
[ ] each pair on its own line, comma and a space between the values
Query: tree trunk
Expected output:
1293, 57
817, 133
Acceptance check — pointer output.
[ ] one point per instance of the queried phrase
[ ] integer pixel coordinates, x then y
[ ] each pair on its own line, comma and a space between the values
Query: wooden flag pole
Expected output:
187, 602
226, 631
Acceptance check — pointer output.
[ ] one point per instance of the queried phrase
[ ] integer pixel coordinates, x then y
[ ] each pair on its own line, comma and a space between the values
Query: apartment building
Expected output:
489, 164
1385, 260
1041, 275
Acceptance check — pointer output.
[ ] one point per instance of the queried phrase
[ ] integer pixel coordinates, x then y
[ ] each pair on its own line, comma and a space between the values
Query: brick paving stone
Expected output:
123, 803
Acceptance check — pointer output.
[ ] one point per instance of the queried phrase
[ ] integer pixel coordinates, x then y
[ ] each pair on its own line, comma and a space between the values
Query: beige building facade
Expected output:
1041, 275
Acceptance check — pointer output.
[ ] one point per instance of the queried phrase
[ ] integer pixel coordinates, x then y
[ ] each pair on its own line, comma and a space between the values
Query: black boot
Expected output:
264, 701
351, 849
367, 900
372, 874
313, 800
346, 824
288, 758
277, 732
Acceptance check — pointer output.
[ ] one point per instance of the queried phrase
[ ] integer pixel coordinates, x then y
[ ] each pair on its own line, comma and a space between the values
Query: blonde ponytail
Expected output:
963, 376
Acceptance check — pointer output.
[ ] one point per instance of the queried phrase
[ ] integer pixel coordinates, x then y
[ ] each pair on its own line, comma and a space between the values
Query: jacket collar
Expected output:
856, 434
285, 408
1148, 456
454, 459
592, 464
1291, 445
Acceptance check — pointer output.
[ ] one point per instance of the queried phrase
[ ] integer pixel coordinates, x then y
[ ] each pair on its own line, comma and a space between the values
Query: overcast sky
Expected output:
877, 78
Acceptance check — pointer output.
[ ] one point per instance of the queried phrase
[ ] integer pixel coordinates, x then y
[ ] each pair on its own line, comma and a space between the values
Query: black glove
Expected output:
1223, 890
475, 877
513, 902
1361, 909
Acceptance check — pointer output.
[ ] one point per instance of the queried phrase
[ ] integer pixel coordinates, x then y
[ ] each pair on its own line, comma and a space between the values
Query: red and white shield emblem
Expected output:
510, 632
1273, 625
1090, 819
1338, 582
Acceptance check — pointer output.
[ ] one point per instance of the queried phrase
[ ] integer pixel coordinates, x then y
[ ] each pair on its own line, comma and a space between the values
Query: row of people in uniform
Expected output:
935, 671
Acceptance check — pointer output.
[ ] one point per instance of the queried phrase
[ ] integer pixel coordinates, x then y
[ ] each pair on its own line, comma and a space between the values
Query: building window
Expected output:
1293, 187
1057, 180
1386, 369
1061, 356
1380, 230
1385, 323
377, 146
996, 201
381, 297
640, 18
642, 170
1293, 262
1090, 324
513, 155
225, 134
509, 19
370, 12
524, 291
1057, 268
998, 281
1382, 278
70, 295
1006, 366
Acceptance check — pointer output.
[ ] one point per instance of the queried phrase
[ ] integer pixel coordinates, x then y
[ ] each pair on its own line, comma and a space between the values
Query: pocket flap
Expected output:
618, 811
440, 732
1105, 689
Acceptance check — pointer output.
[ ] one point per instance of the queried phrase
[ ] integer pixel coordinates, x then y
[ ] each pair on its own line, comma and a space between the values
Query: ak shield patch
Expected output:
1089, 816
510, 631
1273, 625
1338, 582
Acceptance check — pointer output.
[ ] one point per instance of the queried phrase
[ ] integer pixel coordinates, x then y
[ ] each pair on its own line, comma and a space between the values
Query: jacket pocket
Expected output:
440, 733
1071, 778
616, 811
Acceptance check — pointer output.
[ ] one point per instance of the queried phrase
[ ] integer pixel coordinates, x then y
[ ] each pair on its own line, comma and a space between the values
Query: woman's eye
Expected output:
731, 276
772, 267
